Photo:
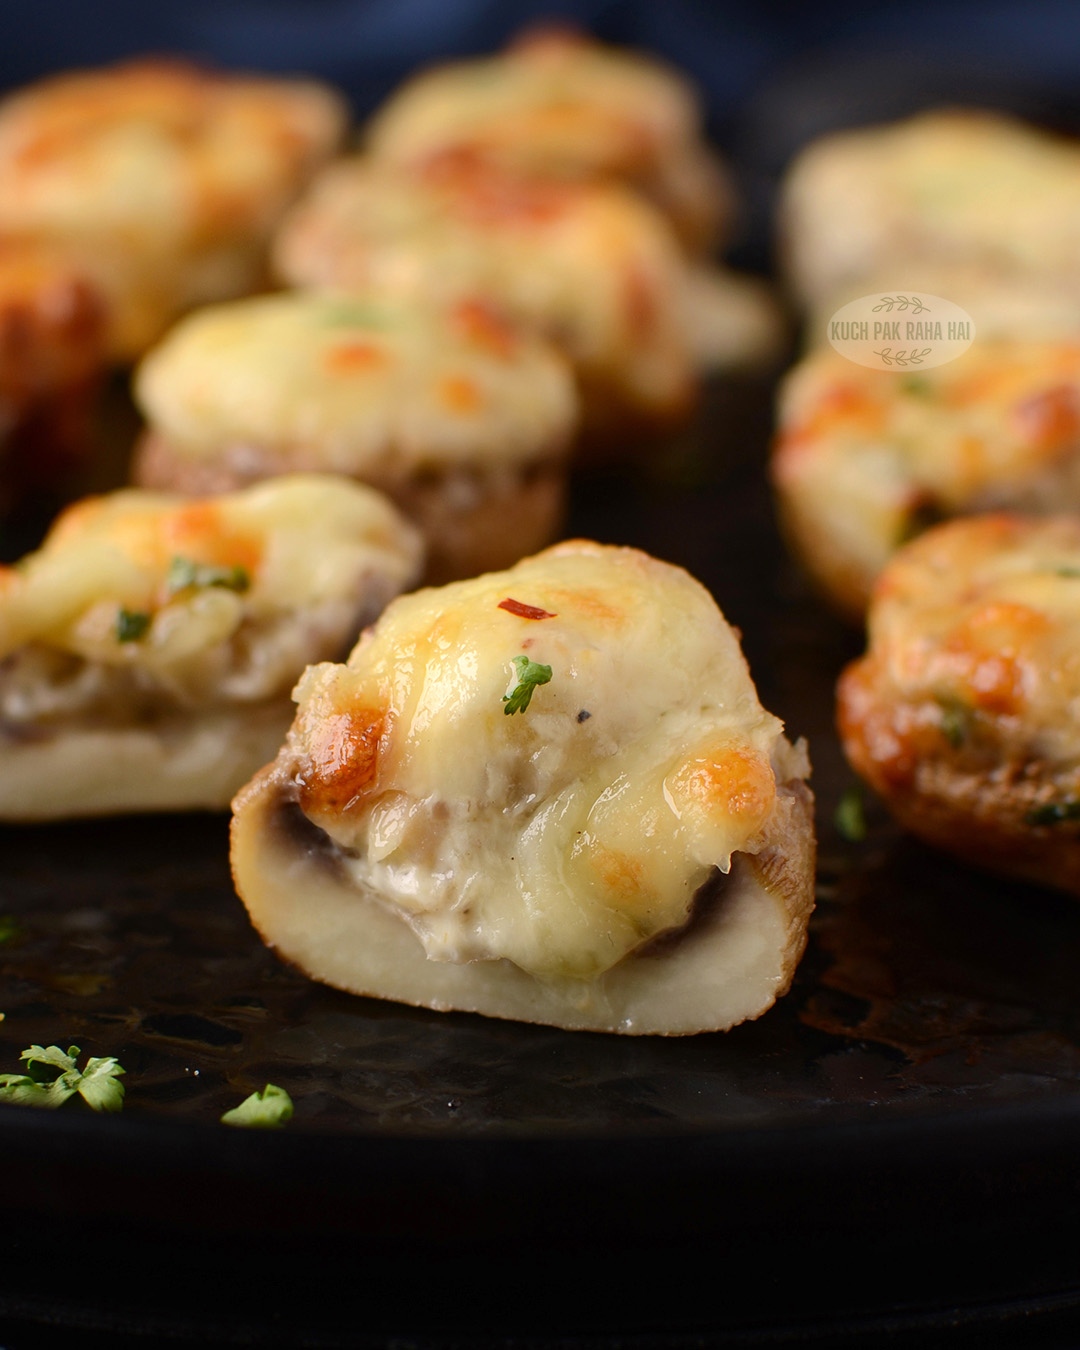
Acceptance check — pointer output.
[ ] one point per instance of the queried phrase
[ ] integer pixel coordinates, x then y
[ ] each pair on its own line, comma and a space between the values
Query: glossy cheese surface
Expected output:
951, 186
225, 598
589, 266
557, 105
553, 102
560, 837
160, 179
357, 383
159, 147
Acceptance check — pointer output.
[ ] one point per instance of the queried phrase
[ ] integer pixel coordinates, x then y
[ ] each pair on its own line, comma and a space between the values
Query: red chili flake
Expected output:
525, 611
484, 326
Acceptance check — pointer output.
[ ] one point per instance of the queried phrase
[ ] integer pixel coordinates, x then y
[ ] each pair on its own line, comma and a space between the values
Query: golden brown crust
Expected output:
976, 807
960, 715
865, 459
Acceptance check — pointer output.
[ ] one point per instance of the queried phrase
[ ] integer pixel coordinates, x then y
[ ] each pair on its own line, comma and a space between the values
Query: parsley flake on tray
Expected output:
265, 1110
850, 816
53, 1076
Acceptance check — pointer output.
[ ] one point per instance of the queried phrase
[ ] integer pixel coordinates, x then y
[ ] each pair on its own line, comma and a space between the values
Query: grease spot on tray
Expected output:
191, 1028
939, 964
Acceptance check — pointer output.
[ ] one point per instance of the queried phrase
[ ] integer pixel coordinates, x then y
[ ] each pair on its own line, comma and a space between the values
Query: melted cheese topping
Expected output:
591, 267
159, 147
553, 103
308, 549
861, 453
942, 186
160, 178
358, 384
1003, 306
559, 106
984, 615
563, 836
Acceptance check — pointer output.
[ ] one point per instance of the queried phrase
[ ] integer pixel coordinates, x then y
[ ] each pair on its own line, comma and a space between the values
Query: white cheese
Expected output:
563, 836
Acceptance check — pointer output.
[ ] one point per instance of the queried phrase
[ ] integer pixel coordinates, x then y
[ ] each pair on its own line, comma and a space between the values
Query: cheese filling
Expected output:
42, 687
141, 605
566, 835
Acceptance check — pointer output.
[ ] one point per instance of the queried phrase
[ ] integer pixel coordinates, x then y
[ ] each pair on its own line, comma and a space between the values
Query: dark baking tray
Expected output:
892, 1148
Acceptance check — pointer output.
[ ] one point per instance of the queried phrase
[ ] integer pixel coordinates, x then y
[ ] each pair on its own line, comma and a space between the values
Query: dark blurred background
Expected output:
773, 75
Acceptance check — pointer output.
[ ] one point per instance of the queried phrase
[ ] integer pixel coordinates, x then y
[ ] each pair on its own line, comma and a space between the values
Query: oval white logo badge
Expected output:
903, 330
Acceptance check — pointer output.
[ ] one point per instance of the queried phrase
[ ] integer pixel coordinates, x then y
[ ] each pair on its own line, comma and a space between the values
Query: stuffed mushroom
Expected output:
547, 794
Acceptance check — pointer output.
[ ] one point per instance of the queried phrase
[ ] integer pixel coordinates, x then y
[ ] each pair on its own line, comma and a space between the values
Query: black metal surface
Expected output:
889, 1152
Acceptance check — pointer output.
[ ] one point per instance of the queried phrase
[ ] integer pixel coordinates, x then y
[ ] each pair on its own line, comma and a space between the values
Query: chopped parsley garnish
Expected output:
955, 724
185, 574
52, 1076
131, 625
850, 819
1067, 571
9, 929
265, 1110
918, 385
1054, 813
528, 675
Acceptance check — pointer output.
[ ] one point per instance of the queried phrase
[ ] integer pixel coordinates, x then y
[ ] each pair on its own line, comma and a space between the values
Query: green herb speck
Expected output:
131, 625
528, 676
955, 724
355, 316
184, 575
1054, 813
850, 818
